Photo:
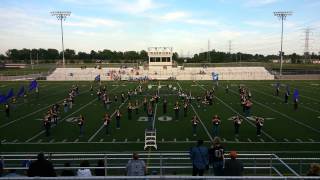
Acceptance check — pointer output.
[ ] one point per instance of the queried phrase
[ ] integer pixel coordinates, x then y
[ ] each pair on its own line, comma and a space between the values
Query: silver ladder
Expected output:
150, 139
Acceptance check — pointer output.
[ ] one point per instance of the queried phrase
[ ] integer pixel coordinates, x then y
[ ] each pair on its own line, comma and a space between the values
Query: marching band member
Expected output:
106, 122
237, 120
259, 124
81, 124
185, 108
130, 111
194, 122
176, 110
136, 106
165, 102
216, 124
118, 117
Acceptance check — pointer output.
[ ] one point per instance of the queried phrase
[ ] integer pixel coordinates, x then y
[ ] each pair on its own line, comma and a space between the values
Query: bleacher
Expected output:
161, 73
166, 165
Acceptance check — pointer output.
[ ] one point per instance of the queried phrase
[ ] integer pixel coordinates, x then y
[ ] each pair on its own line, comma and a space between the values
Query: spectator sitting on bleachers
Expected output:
314, 170
233, 167
1, 168
12, 173
100, 172
67, 172
41, 167
84, 171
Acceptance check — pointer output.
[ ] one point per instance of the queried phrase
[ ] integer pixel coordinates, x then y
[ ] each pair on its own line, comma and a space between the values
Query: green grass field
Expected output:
285, 130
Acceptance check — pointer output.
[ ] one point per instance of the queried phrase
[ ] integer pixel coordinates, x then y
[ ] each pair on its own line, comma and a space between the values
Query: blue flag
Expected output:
97, 78
3, 99
295, 94
33, 85
215, 76
10, 94
21, 91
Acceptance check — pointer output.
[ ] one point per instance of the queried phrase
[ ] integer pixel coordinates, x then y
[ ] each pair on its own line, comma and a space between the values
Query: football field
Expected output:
284, 129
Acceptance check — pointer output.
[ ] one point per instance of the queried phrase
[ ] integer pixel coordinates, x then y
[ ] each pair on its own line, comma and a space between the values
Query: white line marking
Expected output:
34, 112
284, 115
164, 142
43, 131
101, 127
277, 97
251, 123
194, 110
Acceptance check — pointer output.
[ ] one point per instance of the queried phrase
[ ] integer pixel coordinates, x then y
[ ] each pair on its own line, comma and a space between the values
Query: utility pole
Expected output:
208, 52
230, 42
37, 57
31, 61
61, 15
282, 16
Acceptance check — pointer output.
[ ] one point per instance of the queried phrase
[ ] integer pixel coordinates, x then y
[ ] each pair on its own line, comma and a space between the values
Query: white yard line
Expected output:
277, 97
101, 127
160, 142
284, 115
82, 107
251, 123
194, 110
30, 114
155, 110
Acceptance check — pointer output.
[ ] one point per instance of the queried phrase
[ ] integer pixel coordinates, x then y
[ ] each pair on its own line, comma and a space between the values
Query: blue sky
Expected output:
185, 25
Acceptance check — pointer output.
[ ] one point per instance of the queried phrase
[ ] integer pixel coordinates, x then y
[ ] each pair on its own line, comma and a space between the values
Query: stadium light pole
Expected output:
61, 15
282, 16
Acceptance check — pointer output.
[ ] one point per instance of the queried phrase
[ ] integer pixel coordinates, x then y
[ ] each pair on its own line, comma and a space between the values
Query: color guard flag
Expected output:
97, 78
33, 85
10, 94
296, 94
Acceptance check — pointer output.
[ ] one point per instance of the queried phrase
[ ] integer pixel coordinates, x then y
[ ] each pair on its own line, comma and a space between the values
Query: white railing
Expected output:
159, 163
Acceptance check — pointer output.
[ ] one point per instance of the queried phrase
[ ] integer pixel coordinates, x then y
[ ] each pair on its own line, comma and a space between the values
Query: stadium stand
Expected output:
161, 73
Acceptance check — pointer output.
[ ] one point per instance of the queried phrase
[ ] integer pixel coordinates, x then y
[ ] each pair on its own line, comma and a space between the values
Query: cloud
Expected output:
181, 17
124, 6
257, 3
93, 22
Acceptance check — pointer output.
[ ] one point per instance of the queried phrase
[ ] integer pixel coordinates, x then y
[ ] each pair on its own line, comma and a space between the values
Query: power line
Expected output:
61, 15
282, 16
